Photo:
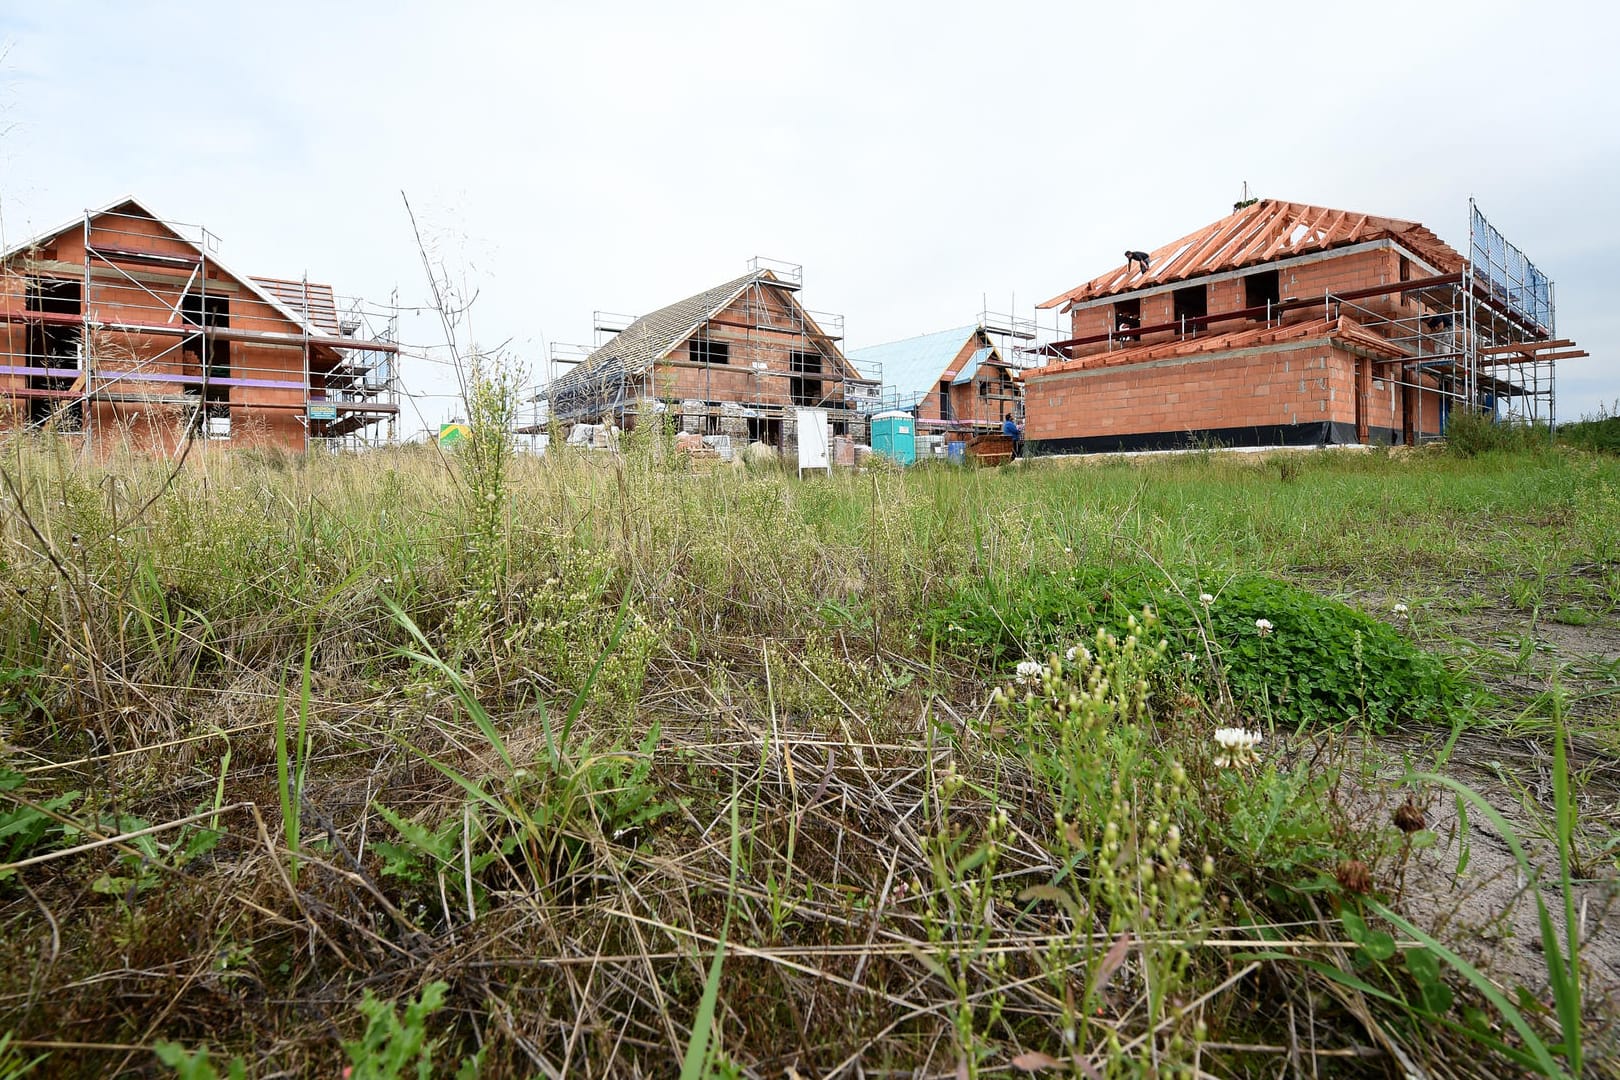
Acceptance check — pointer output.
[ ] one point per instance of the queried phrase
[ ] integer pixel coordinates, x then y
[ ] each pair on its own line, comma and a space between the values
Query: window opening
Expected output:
704, 351
1127, 318
1191, 303
1262, 289
53, 345
804, 390
765, 430
208, 312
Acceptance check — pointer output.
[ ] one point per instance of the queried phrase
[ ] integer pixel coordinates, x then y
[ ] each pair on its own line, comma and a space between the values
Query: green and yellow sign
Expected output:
450, 434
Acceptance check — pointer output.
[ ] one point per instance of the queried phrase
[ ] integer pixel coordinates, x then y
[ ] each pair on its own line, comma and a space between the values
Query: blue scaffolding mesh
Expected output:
1511, 279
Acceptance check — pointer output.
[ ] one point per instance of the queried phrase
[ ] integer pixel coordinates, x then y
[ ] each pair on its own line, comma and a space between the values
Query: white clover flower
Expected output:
1236, 746
1078, 653
1030, 670
1399, 609
1264, 626
1206, 599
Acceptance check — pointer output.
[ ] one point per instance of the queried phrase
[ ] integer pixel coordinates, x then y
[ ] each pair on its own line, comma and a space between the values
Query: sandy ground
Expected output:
1488, 908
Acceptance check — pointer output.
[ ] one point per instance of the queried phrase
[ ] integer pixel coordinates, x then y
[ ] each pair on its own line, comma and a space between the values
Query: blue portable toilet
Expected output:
894, 435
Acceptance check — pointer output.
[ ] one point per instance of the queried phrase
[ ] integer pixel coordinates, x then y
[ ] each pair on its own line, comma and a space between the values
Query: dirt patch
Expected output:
1468, 888
1594, 642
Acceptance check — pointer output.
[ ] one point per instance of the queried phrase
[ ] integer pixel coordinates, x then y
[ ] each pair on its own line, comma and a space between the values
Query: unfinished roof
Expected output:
603, 379
1340, 331
917, 365
654, 336
317, 302
1267, 231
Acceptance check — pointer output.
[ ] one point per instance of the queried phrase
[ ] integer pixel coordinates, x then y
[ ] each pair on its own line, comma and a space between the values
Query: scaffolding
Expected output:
1510, 323
1484, 339
127, 326
735, 360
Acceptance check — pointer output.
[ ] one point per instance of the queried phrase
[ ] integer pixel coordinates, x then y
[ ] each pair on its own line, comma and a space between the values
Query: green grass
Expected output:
571, 732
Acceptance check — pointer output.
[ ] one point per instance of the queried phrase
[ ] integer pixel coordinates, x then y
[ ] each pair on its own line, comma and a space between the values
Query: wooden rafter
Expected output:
1260, 233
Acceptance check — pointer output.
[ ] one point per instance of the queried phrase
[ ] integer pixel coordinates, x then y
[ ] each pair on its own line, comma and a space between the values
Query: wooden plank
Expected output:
1526, 346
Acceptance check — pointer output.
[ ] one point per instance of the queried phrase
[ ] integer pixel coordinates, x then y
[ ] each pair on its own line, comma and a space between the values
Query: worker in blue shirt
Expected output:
1010, 428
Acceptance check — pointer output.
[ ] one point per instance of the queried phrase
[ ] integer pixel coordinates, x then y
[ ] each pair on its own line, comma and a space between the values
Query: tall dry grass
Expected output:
543, 748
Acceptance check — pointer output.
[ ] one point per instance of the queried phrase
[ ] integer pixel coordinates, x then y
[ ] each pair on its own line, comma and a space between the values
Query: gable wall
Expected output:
777, 331
961, 397
984, 401
130, 292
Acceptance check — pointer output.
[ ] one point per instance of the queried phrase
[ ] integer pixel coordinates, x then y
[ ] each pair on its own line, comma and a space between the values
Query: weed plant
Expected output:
1282, 651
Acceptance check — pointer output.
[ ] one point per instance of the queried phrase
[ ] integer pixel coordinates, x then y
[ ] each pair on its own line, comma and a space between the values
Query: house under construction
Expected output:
1288, 324
123, 328
962, 381
734, 360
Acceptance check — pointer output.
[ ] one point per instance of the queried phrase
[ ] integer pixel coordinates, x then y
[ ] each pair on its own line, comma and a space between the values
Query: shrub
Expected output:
1598, 432
1470, 433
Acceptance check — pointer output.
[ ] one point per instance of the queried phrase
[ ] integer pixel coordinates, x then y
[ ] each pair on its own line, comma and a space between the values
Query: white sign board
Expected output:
862, 393
814, 442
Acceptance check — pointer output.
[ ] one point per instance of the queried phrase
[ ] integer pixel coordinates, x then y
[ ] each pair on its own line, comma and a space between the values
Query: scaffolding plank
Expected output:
1571, 354
1526, 346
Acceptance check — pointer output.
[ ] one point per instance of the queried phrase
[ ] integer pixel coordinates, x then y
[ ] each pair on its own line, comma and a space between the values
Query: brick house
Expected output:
954, 380
124, 329
1280, 324
733, 360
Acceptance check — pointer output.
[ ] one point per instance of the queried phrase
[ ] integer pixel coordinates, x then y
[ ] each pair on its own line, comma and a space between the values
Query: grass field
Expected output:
605, 765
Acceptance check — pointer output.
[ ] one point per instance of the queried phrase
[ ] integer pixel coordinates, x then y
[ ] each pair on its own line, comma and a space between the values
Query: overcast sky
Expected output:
917, 159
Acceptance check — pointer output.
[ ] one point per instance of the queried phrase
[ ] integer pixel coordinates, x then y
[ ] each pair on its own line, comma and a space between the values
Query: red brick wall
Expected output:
1341, 273
987, 399
1297, 386
1336, 273
1158, 309
1226, 296
1300, 385
1091, 321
